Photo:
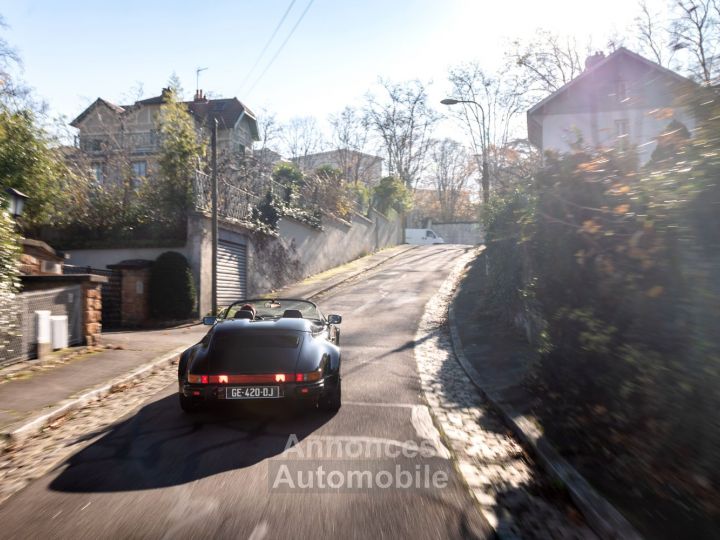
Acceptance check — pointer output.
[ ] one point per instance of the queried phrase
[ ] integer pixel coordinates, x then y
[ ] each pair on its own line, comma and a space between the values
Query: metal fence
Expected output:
233, 201
20, 344
238, 194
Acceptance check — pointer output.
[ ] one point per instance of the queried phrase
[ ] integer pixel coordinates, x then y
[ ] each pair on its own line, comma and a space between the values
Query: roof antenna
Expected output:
197, 79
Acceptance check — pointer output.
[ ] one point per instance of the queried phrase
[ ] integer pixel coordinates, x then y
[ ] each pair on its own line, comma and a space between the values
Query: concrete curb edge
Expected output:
604, 519
15, 434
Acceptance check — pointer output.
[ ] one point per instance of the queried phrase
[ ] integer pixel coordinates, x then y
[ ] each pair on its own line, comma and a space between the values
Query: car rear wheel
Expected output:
332, 401
188, 405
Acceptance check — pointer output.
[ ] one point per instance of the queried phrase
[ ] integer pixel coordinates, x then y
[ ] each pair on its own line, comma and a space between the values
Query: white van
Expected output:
422, 236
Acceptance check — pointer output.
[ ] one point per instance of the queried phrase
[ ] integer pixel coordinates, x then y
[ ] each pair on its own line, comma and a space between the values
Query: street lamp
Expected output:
17, 201
485, 173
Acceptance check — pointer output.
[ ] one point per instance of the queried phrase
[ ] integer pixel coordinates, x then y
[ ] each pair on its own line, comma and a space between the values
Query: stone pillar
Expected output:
135, 306
92, 312
199, 255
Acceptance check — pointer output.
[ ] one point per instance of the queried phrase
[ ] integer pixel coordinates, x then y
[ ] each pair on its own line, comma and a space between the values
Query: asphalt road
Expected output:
228, 474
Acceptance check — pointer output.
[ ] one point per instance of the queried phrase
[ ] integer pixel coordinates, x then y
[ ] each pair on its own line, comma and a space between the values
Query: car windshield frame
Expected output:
273, 308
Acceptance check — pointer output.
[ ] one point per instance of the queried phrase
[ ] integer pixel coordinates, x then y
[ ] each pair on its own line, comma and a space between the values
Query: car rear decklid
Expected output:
234, 351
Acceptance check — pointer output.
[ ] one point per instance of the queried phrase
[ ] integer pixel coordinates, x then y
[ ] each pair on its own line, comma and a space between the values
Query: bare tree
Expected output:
653, 36
490, 104
14, 93
403, 121
268, 129
548, 61
269, 132
452, 167
517, 162
351, 138
695, 30
301, 137
135, 93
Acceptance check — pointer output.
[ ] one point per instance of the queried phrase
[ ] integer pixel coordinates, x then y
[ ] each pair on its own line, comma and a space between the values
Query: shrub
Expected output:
623, 266
392, 194
267, 211
8, 279
172, 292
507, 222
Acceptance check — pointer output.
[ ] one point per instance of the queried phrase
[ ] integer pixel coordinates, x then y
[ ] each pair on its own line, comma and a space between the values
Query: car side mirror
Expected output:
334, 319
209, 320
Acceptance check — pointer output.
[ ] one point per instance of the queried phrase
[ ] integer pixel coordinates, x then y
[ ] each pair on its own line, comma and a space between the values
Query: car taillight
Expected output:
280, 377
222, 379
309, 377
198, 379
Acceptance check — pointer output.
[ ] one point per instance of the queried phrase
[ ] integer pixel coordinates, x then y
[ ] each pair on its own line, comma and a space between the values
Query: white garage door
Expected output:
231, 272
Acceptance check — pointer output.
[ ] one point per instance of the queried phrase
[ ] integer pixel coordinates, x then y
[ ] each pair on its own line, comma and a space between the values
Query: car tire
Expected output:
333, 401
188, 405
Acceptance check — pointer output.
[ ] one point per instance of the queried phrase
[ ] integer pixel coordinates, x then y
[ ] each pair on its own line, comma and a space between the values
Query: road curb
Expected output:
16, 434
321, 291
603, 517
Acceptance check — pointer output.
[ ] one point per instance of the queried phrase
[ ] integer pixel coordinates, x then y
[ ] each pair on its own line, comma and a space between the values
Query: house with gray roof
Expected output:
620, 100
106, 129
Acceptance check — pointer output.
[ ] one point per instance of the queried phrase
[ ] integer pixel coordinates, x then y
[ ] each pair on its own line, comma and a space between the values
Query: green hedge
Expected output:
172, 291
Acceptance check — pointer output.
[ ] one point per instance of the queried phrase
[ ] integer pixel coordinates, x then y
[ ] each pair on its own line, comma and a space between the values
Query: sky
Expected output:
75, 51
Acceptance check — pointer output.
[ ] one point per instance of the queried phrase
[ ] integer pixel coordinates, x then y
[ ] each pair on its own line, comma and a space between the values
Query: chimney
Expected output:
199, 96
594, 59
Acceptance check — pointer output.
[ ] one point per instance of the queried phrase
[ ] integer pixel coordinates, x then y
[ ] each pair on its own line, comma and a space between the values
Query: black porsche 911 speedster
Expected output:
260, 349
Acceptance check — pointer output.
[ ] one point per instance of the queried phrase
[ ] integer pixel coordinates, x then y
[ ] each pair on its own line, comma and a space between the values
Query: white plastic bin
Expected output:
42, 318
59, 328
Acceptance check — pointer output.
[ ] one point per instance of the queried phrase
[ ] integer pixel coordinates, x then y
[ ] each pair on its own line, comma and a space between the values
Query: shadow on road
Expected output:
160, 446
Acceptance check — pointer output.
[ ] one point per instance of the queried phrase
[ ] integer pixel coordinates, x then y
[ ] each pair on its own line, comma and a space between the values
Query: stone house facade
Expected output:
106, 130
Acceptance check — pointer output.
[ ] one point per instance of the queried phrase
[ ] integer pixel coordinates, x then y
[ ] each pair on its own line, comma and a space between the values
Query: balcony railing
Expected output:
234, 202
132, 142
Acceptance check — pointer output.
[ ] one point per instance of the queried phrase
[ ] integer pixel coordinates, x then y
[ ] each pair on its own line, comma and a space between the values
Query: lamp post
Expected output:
484, 164
16, 202
214, 282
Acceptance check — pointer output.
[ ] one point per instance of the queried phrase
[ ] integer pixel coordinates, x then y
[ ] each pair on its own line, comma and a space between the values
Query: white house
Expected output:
620, 100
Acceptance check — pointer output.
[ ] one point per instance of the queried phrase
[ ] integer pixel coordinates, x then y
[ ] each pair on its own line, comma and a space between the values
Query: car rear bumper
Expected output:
217, 393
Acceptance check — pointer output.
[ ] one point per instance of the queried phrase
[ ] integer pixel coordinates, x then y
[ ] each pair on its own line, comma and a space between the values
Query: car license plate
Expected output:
252, 392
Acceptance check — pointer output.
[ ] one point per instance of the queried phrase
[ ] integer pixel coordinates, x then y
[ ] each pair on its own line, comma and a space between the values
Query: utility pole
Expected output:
213, 146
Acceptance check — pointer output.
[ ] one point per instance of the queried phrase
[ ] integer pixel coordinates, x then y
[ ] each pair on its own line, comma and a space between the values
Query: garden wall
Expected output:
101, 258
295, 252
469, 232
339, 241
